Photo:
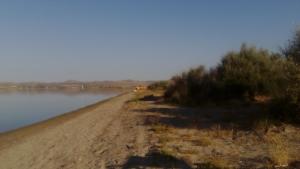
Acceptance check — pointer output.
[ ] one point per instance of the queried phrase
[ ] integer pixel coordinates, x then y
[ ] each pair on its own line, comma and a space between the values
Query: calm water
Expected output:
19, 109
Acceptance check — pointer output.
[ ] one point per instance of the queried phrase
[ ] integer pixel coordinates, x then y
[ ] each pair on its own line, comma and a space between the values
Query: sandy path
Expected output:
103, 136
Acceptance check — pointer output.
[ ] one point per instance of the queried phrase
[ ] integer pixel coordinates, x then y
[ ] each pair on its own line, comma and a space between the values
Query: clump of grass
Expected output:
278, 150
203, 141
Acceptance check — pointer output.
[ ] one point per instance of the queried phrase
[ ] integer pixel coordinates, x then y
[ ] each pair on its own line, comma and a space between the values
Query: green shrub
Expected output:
177, 90
286, 105
184, 88
241, 75
251, 72
292, 50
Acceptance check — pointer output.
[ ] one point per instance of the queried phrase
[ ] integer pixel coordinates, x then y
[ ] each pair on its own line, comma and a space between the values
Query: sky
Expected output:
58, 40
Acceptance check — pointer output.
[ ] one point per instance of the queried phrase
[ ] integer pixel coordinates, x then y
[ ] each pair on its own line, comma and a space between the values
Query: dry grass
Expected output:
186, 137
159, 129
188, 151
167, 152
278, 150
217, 132
262, 126
164, 140
218, 162
102, 164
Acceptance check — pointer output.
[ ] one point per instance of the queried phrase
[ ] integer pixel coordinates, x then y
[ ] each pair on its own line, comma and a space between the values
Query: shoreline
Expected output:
16, 135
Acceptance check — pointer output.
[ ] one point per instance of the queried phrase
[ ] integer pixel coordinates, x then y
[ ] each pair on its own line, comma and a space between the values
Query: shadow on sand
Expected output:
162, 161
237, 116
155, 160
203, 118
241, 118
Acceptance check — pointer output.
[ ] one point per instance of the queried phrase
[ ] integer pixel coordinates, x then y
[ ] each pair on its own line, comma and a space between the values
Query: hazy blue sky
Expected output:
58, 40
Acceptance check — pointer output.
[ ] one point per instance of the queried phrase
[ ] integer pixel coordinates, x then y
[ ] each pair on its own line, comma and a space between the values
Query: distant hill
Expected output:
73, 85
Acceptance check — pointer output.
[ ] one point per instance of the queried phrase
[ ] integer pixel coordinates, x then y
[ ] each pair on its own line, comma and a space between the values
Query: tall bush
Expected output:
286, 106
185, 87
250, 72
240, 75
292, 50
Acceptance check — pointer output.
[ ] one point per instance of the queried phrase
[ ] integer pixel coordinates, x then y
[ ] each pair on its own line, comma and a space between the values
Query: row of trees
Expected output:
244, 75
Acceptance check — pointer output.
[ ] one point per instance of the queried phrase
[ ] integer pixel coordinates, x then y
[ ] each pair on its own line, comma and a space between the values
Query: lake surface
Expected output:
18, 109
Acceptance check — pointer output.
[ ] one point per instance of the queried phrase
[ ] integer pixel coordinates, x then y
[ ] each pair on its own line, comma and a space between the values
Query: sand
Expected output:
103, 134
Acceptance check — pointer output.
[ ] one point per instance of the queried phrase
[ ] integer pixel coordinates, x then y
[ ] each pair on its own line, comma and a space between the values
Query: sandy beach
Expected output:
92, 137
139, 130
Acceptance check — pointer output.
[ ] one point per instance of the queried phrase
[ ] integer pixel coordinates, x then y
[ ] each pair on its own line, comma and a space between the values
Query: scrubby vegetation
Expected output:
249, 75
245, 74
292, 50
